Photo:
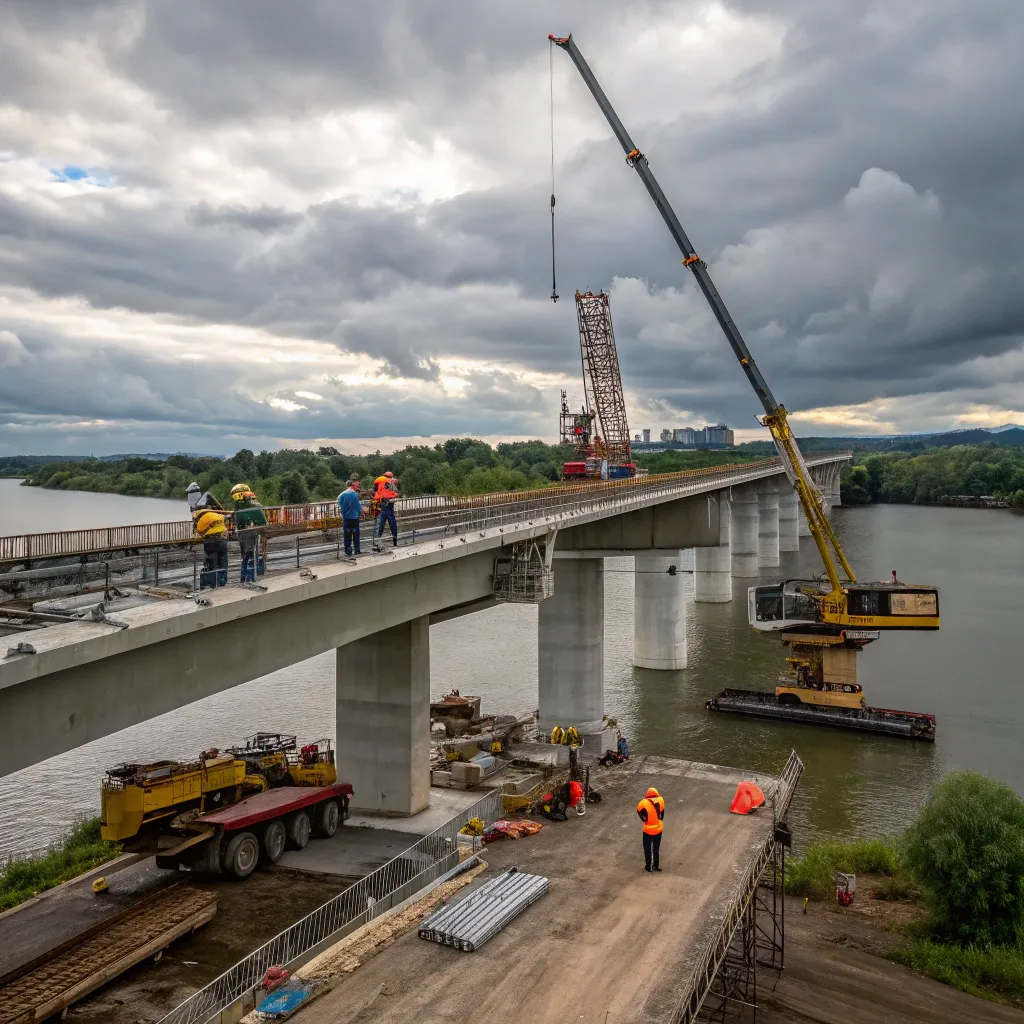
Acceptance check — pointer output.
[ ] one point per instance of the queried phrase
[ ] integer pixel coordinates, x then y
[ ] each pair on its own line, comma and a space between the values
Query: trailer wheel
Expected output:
327, 817
242, 855
274, 839
298, 829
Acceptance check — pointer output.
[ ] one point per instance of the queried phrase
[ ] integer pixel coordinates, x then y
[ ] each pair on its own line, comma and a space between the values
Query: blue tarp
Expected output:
286, 999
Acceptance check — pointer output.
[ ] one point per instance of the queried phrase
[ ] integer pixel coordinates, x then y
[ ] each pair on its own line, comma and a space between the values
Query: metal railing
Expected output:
418, 514
698, 985
387, 887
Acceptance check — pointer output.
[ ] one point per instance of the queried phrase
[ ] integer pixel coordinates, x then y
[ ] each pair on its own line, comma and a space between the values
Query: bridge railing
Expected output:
387, 887
421, 513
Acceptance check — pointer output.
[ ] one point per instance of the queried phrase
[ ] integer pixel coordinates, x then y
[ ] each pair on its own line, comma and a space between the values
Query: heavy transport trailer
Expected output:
233, 839
786, 707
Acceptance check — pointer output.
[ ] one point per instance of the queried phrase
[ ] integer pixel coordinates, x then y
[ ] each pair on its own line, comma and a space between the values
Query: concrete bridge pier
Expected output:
570, 648
712, 577
789, 518
744, 528
383, 718
768, 524
659, 612
803, 528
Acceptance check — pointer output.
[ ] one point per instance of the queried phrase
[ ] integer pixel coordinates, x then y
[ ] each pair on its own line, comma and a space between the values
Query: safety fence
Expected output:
418, 514
387, 887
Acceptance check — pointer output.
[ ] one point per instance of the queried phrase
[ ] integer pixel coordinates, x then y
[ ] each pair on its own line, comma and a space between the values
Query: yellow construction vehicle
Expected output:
277, 758
138, 800
843, 613
137, 796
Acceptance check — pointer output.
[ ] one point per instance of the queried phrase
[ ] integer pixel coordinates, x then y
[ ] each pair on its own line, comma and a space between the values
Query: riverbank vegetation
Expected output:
962, 859
459, 467
82, 850
924, 479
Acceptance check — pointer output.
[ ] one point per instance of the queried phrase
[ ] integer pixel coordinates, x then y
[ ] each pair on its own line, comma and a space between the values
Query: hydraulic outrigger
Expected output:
826, 625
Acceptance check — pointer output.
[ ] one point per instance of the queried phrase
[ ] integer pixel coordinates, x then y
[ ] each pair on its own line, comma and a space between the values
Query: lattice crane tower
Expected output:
602, 382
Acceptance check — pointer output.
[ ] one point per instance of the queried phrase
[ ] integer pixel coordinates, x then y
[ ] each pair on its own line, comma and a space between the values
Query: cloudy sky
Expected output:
252, 223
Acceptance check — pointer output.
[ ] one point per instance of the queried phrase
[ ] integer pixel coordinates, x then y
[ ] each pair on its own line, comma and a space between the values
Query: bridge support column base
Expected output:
768, 524
659, 613
743, 540
712, 575
570, 648
790, 514
383, 726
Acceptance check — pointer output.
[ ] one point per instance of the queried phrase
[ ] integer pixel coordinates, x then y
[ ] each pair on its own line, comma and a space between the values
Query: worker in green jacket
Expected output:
250, 527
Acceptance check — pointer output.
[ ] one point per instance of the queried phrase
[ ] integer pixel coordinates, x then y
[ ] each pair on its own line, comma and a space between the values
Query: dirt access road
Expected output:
836, 974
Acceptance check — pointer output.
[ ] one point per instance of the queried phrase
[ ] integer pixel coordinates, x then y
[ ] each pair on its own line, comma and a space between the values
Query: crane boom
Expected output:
775, 418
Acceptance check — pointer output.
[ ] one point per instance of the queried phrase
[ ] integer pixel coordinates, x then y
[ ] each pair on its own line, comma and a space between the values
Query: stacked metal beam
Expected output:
470, 922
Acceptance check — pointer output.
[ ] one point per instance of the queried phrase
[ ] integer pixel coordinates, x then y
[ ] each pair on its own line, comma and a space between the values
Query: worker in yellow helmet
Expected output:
211, 524
250, 526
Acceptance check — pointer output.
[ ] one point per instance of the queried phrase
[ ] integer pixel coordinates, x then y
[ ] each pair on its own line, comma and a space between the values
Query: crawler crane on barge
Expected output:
826, 623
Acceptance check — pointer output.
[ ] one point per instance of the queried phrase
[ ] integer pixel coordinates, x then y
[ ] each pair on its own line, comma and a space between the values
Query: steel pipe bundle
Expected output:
468, 924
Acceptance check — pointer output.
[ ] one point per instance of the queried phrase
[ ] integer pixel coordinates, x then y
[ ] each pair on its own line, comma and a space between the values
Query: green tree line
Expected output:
458, 467
905, 478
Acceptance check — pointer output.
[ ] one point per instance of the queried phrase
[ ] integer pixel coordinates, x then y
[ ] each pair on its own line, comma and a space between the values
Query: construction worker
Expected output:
351, 510
652, 813
385, 492
211, 525
250, 524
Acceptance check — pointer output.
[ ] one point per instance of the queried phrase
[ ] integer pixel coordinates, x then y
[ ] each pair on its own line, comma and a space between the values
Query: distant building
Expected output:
716, 435
719, 434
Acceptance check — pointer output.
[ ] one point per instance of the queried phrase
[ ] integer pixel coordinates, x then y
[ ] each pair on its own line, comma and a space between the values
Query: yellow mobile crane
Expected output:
827, 624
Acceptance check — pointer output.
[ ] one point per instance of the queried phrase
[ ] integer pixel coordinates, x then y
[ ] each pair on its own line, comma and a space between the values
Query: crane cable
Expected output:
551, 78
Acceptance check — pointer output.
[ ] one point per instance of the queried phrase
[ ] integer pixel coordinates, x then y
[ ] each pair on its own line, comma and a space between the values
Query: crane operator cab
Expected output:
810, 604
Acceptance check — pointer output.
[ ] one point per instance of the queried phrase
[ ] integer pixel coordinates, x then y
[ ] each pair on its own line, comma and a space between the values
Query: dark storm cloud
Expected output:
856, 192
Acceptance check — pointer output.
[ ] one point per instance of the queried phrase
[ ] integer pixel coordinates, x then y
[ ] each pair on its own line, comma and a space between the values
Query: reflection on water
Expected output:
965, 674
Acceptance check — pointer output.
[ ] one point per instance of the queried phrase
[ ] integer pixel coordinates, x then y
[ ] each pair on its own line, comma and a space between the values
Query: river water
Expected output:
968, 674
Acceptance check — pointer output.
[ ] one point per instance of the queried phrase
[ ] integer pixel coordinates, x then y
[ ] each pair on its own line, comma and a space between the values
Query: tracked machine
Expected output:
825, 622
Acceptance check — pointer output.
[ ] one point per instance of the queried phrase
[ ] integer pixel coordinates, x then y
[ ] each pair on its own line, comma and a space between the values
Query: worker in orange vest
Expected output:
385, 491
652, 813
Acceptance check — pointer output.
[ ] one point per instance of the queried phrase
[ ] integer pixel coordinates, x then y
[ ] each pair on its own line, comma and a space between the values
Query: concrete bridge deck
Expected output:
608, 942
84, 679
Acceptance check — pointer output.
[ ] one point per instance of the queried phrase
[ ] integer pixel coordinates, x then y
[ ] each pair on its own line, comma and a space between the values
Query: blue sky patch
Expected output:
70, 173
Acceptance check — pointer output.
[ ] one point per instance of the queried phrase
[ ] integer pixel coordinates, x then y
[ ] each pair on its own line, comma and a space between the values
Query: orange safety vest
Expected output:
655, 808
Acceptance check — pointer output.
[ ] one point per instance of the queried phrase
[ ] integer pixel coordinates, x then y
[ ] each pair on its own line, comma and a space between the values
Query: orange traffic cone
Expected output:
748, 798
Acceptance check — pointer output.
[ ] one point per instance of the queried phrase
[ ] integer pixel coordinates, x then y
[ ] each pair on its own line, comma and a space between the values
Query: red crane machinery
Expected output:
599, 432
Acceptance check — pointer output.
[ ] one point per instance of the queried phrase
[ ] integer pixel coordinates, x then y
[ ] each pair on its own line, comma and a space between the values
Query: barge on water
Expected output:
908, 724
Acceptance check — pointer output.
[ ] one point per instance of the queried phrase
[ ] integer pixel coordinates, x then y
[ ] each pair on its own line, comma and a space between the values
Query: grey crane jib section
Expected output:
639, 163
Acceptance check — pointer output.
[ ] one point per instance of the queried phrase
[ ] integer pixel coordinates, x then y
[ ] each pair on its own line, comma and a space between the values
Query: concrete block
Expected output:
521, 785
596, 743
464, 771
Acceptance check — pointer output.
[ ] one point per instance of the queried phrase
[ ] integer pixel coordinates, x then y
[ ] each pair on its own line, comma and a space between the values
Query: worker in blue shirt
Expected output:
348, 502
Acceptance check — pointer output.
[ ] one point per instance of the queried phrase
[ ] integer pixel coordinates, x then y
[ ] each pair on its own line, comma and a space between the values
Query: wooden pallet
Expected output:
71, 971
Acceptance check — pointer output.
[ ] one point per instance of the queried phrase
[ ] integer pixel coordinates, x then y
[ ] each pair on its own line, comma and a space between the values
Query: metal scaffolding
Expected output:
602, 382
